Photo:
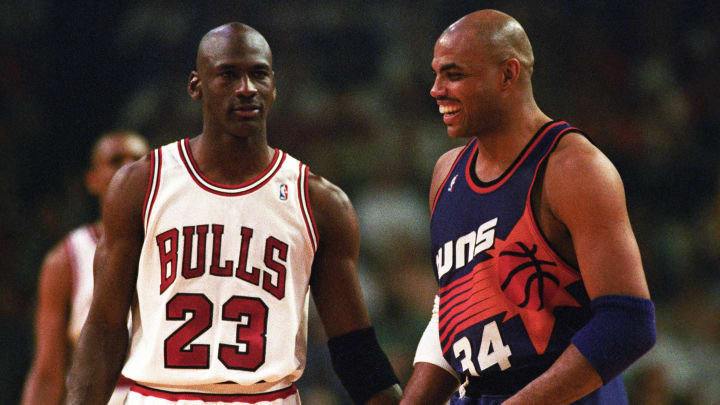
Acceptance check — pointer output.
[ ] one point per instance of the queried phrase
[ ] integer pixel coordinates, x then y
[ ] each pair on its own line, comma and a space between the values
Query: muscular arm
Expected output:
103, 341
585, 193
334, 284
430, 383
46, 381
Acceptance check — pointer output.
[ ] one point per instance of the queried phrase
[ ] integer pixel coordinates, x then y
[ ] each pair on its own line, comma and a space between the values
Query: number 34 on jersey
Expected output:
492, 351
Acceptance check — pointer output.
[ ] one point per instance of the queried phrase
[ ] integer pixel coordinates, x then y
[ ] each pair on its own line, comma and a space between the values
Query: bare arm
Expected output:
334, 283
585, 193
431, 384
46, 381
103, 341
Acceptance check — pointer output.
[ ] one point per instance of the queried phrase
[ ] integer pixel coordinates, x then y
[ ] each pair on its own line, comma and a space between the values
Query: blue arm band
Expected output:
621, 330
361, 364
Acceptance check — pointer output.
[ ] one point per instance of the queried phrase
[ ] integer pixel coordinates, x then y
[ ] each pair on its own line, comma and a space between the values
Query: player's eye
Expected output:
261, 74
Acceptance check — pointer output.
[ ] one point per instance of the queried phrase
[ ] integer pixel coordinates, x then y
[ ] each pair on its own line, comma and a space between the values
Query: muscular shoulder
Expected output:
579, 173
127, 190
442, 168
330, 205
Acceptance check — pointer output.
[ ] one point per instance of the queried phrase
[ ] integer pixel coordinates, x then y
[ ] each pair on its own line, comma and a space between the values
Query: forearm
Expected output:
96, 363
429, 385
570, 378
44, 388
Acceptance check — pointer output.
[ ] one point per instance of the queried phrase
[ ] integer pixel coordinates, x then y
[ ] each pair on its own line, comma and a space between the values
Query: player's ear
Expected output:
193, 87
510, 72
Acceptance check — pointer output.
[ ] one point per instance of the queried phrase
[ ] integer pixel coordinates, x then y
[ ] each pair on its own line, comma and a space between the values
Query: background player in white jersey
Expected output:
66, 279
225, 321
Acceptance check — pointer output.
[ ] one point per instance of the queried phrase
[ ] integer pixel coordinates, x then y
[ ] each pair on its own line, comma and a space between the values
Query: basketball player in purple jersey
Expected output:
66, 280
215, 242
542, 297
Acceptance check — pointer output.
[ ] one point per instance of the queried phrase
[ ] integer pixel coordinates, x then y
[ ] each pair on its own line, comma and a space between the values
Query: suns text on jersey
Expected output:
463, 249
271, 278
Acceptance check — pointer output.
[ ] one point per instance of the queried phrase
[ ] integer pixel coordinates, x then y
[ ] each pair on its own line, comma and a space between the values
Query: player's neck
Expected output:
231, 160
499, 148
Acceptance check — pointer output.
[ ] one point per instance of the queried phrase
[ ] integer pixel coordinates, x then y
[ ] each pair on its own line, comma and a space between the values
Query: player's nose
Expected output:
247, 87
438, 88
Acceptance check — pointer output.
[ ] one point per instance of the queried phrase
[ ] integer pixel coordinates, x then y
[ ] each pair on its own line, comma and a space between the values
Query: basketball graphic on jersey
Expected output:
529, 277
527, 280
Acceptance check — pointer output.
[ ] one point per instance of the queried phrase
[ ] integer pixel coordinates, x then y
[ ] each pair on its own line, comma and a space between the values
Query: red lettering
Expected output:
188, 233
168, 257
273, 245
241, 272
215, 268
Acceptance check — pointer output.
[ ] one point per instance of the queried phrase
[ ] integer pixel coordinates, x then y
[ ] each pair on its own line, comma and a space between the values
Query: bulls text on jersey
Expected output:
271, 278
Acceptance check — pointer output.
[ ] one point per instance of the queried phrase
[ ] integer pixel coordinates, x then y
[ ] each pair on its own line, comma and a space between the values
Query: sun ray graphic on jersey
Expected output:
516, 280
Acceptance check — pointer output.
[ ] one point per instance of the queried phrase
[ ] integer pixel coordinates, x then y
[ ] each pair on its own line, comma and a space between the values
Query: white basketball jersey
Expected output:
222, 286
80, 245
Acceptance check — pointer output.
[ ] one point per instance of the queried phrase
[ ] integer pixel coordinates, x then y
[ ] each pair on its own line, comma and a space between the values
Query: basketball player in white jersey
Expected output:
214, 243
66, 280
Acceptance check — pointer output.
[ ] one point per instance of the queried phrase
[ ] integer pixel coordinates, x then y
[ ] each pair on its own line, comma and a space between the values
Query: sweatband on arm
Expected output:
361, 364
621, 330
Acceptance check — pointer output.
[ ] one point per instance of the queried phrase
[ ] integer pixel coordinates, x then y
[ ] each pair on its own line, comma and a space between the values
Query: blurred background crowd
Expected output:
353, 82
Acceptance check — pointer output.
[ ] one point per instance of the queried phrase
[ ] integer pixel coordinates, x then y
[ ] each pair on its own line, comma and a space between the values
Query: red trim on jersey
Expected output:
151, 178
305, 205
123, 382
516, 164
153, 185
224, 189
199, 396
442, 186
528, 203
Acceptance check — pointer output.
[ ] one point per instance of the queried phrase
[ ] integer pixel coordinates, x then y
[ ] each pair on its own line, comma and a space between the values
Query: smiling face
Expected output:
467, 83
234, 80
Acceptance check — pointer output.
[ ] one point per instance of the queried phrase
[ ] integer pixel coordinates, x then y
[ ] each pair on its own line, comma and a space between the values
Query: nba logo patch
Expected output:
283, 192
452, 183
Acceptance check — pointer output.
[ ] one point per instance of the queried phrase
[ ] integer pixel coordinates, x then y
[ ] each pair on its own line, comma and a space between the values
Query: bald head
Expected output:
498, 34
215, 44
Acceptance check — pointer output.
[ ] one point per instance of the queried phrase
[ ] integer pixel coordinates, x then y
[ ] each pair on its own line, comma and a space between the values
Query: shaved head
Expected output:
213, 45
234, 80
497, 33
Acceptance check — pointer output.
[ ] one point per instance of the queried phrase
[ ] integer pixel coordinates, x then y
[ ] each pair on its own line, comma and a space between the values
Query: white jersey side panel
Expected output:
222, 287
80, 244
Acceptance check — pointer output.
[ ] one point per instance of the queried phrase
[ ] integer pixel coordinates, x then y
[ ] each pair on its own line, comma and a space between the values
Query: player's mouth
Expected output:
247, 110
449, 113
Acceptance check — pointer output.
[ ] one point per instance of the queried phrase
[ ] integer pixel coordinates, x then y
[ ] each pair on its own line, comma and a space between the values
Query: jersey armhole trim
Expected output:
153, 186
452, 168
528, 200
305, 206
